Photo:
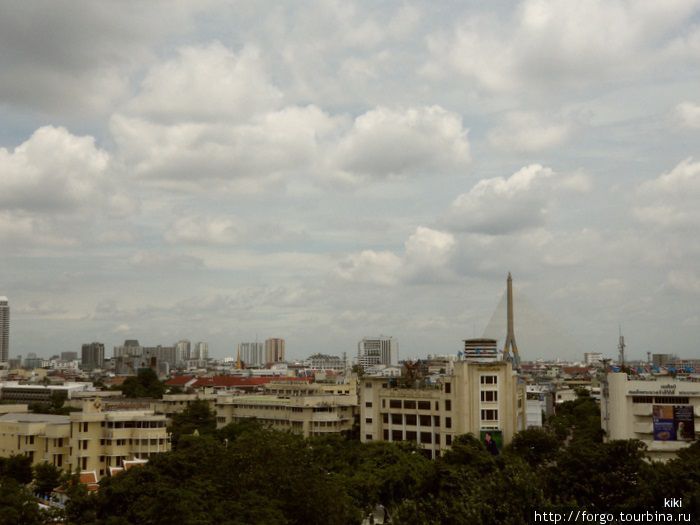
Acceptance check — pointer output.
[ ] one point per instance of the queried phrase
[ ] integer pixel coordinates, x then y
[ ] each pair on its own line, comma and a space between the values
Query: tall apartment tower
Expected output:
4, 330
274, 351
380, 350
92, 356
201, 351
251, 354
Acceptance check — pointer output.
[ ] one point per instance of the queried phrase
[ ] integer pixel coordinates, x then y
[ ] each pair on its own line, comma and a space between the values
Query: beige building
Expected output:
306, 414
92, 440
661, 412
477, 397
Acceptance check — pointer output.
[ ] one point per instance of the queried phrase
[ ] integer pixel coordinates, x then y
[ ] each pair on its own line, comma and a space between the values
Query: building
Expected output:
201, 351
92, 356
72, 356
16, 392
325, 362
592, 358
183, 351
477, 397
539, 403
660, 412
377, 351
251, 354
311, 414
4, 330
91, 440
274, 351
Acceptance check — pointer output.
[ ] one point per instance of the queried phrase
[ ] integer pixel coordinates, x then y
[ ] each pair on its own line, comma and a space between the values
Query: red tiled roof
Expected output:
179, 380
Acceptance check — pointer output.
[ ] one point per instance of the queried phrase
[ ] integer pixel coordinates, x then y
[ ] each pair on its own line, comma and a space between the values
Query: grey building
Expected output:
92, 356
4, 330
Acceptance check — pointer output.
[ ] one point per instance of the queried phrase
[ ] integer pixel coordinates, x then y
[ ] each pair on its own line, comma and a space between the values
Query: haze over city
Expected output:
326, 171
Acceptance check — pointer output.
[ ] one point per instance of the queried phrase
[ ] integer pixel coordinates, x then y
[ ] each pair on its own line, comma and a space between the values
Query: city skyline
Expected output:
244, 169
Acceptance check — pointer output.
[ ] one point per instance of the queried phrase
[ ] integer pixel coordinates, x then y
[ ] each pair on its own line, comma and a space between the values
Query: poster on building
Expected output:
492, 440
684, 422
664, 427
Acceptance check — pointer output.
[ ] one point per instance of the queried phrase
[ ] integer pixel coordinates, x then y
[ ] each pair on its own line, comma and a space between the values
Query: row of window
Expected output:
412, 420
662, 400
426, 438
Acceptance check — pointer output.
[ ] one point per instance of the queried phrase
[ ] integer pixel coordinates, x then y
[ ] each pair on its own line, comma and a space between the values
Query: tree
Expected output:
46, 478
144, 384
535, 445
18, 468
197, 416
17, 505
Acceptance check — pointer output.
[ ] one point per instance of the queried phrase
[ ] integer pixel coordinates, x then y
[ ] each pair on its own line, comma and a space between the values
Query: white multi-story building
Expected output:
661, 412
380, 350
201, 351
252, 354
4, 330
592, 358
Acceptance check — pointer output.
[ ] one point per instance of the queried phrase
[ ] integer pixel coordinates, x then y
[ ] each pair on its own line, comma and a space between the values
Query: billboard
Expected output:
496, 439
673, 422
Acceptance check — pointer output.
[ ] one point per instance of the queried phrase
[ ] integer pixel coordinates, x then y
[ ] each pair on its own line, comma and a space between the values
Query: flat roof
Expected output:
35, 418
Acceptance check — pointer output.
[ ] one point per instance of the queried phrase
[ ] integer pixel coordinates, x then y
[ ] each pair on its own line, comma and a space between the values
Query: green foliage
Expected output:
536, 446
18, 468
17, 505
54, 406
577, 420
144, 384
197, 416
46, 478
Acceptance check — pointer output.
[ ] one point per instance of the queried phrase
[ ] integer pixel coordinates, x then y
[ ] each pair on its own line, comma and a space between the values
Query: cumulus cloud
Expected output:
52, 170
206, 83
204, 230
688, 114
384, 142
498, 206
527, 131
548, 43
670, 200
426, 258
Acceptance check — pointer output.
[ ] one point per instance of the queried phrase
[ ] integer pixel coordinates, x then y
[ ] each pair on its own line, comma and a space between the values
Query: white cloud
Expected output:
426, 258
384, 142
209, 83
548, 43
527, 131
689, 114
670, 201
52, 170
204, 230
498, 206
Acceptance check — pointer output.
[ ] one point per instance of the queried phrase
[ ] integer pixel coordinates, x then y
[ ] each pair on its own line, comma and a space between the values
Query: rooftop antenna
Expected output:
510, 346
621, 347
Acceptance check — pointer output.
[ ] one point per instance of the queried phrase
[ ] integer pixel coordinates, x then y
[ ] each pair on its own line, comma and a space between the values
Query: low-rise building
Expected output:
661, 412
477, 398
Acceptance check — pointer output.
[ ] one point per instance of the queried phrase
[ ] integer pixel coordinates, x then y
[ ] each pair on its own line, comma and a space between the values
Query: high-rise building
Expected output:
251, 354
69, 356
4, 330
201, 351
183, 351
92, 356
274, 351
380, 350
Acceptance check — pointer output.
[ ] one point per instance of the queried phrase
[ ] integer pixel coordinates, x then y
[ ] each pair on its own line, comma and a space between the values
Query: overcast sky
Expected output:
324, 171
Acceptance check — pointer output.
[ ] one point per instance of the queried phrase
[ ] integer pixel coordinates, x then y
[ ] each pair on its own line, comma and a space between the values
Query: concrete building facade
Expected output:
380, 350
4, 330
274, 351
92, 356
476, 398
661, 412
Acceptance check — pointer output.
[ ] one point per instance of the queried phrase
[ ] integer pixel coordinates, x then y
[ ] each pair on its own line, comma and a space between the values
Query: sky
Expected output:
323, 171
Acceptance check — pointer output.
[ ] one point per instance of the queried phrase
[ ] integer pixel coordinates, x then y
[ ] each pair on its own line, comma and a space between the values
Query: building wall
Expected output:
627, 410
4, 330
274, 351
434, 416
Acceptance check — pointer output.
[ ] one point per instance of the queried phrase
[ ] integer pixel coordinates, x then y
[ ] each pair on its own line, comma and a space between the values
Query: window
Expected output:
85, 427
489, 396
396, 435
489, 380
386, 435
423, 405
383, 403
396, 419
368, 385
425, 421
448, 404
436, 438
411, 405
83, 461
411, 419
436, 421
671, 400
489, 415
426, 437
448, 388
368, 404
411, 436
394, 403
448, 422
368, 420
448, 439
385, 418
642, 399
368, 437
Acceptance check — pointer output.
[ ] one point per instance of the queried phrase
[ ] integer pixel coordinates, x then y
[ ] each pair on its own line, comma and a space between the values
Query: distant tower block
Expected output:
621, 347
510, 346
